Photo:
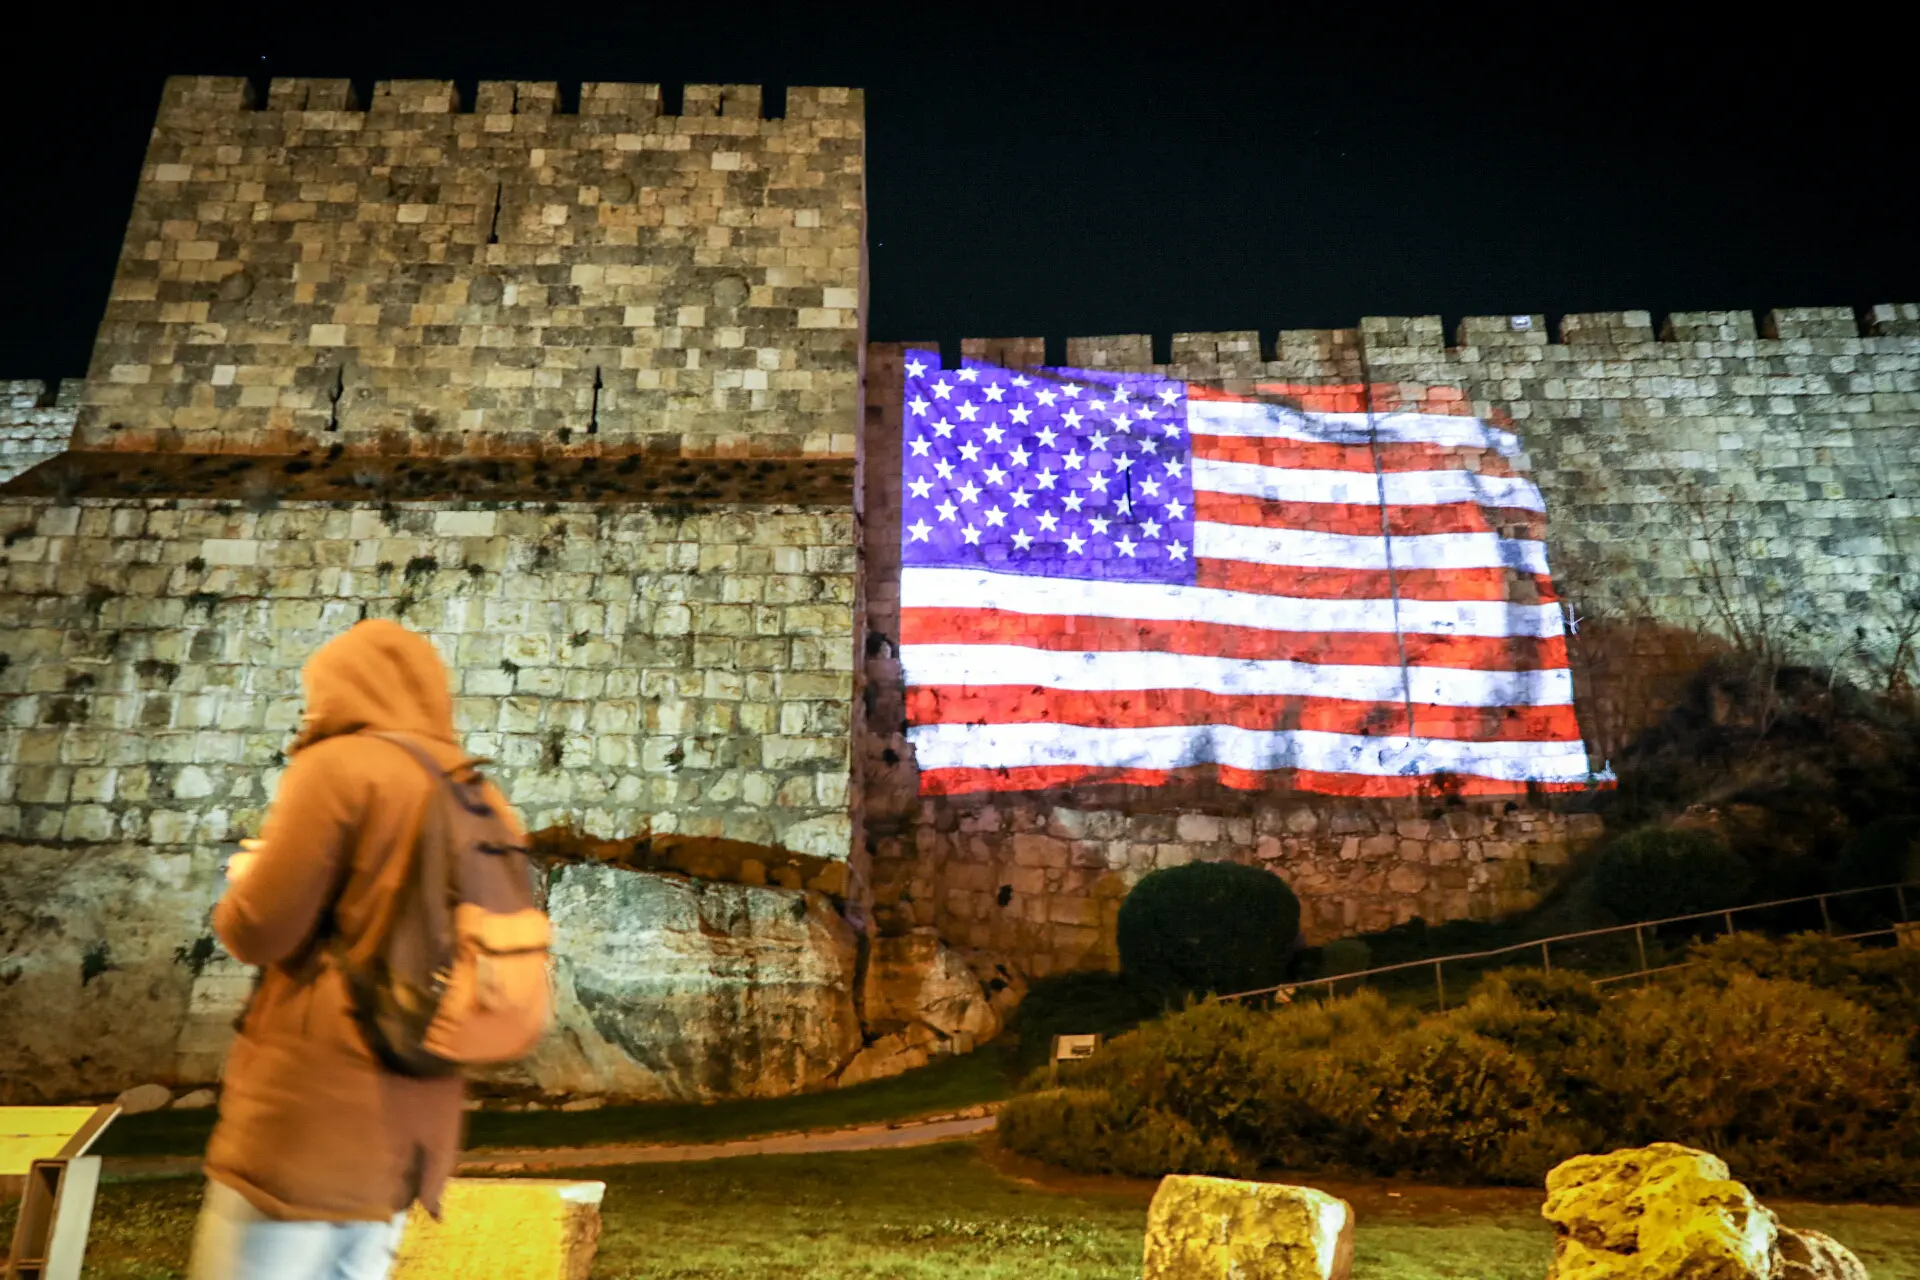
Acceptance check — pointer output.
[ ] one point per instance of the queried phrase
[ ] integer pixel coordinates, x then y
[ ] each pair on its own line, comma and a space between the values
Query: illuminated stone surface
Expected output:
505, 1229
1225, 1229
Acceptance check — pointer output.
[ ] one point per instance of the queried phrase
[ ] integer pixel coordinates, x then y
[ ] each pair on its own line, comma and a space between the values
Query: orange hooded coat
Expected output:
311, 1127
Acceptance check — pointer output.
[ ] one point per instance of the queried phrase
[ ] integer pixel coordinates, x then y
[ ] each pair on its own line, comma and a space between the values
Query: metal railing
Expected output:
1285, 990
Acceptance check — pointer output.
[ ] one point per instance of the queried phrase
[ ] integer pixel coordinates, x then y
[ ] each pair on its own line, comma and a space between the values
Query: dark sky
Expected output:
1198, 169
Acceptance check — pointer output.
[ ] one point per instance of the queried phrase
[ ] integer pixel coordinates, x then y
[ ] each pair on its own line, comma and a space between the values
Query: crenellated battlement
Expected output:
193, 100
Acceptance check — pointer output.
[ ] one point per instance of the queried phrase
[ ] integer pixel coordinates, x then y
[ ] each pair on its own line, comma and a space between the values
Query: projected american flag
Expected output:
1124, 578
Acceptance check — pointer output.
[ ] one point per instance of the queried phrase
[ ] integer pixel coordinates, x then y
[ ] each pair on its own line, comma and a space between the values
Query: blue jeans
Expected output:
235, 1241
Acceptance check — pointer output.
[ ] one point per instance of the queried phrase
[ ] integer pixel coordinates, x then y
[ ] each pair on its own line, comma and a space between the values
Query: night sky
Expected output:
1194, 170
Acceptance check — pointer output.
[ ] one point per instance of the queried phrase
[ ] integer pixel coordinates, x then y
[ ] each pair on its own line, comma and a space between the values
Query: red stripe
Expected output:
1157, 708
1074, 633
1267, 451
1363, 520
1046, 777
1507, 585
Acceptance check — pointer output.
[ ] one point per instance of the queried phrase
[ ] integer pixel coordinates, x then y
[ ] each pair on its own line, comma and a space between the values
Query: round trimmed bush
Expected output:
1657, 872
1208, 927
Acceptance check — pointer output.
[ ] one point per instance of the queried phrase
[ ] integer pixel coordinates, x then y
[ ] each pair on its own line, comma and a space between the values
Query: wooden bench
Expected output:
43, 1151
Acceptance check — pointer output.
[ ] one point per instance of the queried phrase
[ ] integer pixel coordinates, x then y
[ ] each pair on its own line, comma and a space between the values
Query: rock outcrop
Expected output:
1224, 1229
676, 989
921, 1000
1666, 1212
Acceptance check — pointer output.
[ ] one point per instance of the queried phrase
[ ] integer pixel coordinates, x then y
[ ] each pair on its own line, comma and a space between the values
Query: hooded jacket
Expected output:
311, 1126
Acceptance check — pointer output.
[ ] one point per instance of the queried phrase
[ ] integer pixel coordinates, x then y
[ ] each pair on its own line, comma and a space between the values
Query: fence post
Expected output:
1729, 922
1440, 985
1826, 917
1901, 891
1640, 942
1546, 960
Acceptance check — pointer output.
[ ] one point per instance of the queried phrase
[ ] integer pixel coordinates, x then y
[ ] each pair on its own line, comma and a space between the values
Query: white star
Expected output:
919, 446
1074, 543
1070, 390
1173, 466
968, 412
1073, 500
1098, 406
1122, 462
1097, 440
1172, 431
1170, 396
1019, 456
942, 390
1176, 551
1098, 523
916, 367
970, 451
921, 487
943, 428
969, 492
918, 406
1177, 510
1143, 411
1047, 520
1046, 437
995, 475
1120, 425
1150, 487
1097, 481
995, 516
1149, 445
1046, 396
1020, 497
920, 529
1150, 527
1072, 418
944, 468
995, 391
969, 375
1127, 545
1045, 478
1120, 395
1022, 539
1124, 506
971, 534
947, 510
1020, 413
1073, 459
994, 434
1020, 380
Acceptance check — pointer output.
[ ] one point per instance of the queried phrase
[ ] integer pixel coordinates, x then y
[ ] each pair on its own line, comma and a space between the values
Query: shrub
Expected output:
1207, 927
1886, 851
1075, 1004
1657, 872
1090, 1131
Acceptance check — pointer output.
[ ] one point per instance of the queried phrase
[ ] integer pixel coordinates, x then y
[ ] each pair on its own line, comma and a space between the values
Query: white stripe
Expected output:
1308, 549
1362, 488
1242, 418
931, 588
1103, 671
960, 746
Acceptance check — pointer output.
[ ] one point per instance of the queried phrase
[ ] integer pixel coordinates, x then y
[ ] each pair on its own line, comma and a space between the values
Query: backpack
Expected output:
459, 972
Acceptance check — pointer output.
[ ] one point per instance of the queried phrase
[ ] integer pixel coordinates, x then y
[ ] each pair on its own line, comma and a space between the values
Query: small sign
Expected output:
1522, 323
1073, 1048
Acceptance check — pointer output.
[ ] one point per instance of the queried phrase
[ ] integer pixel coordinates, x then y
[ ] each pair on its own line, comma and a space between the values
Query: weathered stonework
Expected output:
1707, 487
430, 276
35, 423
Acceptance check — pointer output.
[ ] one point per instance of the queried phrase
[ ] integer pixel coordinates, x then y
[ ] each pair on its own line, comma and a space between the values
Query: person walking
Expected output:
320, 1149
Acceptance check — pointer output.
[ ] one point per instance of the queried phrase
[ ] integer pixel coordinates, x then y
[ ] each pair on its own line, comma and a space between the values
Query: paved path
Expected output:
912, 1133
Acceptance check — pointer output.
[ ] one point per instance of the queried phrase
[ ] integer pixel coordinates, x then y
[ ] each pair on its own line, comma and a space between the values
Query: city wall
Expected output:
1717, 484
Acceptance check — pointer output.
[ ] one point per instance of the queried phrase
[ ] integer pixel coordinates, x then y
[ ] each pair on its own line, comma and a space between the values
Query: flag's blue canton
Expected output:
1058, 472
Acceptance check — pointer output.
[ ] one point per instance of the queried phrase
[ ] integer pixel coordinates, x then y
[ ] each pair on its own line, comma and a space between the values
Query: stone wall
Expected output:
419, 274
34, 424
1719, 484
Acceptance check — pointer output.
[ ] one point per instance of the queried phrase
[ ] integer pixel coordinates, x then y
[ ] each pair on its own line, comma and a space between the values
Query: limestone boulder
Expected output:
1666, 1211
99, 949
143, 1098
505, 1228
673, 989
916, 979
1225, 1229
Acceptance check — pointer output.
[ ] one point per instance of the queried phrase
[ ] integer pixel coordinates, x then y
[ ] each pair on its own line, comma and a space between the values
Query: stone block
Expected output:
506, 1229
1223, 1229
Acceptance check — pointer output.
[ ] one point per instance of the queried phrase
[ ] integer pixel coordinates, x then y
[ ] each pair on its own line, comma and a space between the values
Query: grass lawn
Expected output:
947, 1212
948, 1085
